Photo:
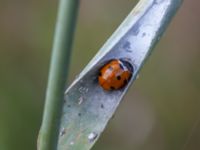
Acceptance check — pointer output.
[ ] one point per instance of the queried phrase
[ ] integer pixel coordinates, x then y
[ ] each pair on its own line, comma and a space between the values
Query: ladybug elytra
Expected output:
115, 74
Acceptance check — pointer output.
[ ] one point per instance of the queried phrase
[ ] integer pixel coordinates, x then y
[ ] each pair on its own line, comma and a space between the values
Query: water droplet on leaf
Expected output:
71, 143
92, 136
80, 100
62, 132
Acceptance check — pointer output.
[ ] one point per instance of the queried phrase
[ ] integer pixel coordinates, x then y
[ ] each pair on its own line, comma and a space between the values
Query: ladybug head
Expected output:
127, 64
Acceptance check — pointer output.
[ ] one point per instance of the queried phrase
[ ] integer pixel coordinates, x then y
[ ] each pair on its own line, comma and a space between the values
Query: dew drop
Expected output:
62, 132
71, 143
80, 100
80, 89
83, 90
92, 136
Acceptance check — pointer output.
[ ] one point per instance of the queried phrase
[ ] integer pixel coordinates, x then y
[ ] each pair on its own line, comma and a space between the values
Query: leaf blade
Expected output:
88, 108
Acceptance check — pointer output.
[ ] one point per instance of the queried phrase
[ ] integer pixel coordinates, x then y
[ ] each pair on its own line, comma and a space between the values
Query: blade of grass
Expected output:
63, 38
88, 108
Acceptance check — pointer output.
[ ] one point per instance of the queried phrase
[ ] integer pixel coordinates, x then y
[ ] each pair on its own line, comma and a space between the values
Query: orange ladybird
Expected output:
115, 74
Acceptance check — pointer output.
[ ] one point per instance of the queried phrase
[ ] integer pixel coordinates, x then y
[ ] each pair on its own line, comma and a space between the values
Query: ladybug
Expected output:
115, 74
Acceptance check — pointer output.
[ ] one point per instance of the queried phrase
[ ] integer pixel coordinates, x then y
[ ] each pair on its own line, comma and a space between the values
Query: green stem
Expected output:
65, 26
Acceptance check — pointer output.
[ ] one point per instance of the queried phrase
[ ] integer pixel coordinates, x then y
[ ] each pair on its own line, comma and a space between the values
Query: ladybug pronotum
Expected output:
115, 74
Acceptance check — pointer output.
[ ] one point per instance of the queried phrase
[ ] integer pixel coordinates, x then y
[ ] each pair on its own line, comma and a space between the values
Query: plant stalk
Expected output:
59, 67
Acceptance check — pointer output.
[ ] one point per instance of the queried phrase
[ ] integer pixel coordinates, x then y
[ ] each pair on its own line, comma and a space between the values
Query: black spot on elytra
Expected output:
125, 82
112, 88
118, 77
100, 74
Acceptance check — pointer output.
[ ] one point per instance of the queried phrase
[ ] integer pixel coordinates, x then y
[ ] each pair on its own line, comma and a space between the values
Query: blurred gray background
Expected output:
161, 110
